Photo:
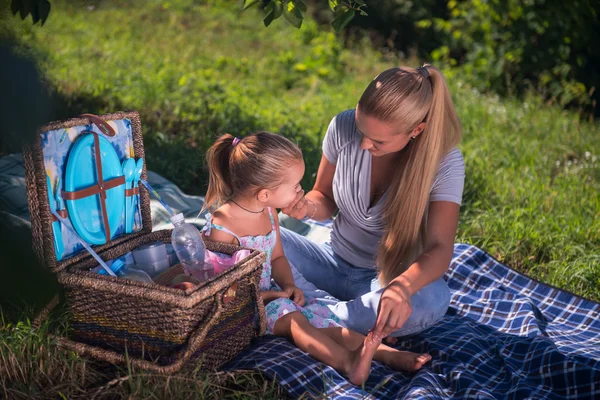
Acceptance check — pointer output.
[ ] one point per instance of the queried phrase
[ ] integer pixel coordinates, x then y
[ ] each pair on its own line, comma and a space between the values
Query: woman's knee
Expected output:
438, 297
429, 306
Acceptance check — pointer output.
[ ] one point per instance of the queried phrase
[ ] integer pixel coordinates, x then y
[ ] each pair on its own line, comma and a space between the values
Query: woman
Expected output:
391, 169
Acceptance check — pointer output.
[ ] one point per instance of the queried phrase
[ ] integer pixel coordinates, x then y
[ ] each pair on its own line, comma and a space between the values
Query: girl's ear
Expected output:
263, 195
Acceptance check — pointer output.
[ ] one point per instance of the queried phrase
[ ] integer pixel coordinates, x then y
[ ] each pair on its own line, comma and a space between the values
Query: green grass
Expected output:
33, 366
197, 69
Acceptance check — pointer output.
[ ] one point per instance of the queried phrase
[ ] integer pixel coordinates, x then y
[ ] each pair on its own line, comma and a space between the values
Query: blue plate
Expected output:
86, 213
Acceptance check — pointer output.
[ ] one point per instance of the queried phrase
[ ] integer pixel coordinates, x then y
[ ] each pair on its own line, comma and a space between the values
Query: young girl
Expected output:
249, 179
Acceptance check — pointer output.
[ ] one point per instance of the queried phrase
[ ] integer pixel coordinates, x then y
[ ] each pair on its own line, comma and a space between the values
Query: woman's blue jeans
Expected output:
317, 269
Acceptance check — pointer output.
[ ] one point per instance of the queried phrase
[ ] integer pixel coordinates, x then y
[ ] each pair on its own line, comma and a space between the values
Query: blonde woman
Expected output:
391, 169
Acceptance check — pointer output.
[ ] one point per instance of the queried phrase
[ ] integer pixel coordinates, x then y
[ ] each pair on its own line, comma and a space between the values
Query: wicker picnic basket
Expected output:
151, 325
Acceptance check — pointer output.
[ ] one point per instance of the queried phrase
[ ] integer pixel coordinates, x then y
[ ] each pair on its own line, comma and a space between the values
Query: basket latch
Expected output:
230, 293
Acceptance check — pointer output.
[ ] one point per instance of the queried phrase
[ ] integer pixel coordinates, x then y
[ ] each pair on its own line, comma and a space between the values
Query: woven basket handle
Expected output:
113, 357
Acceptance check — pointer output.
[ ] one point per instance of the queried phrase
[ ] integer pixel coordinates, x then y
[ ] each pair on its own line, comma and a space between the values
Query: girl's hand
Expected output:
298, 208
268, 296
295, 294
394, 309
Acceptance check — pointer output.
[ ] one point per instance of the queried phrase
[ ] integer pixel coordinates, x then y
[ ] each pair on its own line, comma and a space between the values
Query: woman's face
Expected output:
381, 138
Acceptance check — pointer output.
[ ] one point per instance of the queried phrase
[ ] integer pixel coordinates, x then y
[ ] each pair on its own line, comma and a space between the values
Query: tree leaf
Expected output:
245, 4
35, 12
278, 10
341, 9
15, 6
300, 5
44, 9
25, 8
333, 4
342, 20
270, 9
292, 14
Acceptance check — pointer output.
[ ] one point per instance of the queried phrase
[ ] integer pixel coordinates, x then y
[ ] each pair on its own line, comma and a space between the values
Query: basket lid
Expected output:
81, 185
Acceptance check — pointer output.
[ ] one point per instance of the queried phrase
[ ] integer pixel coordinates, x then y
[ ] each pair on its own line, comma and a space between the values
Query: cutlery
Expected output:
58, 243
128, 172
60, 205
139, 166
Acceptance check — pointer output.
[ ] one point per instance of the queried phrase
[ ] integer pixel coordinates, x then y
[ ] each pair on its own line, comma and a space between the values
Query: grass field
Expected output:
197, 69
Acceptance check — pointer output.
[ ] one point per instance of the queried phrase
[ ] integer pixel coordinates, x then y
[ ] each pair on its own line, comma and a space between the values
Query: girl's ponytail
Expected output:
219, 180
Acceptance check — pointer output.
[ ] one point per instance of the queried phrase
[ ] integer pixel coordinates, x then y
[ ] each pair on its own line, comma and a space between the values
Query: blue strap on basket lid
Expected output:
101, 187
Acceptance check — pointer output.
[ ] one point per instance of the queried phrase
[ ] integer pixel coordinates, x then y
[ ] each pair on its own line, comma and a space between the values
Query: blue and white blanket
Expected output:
504, 336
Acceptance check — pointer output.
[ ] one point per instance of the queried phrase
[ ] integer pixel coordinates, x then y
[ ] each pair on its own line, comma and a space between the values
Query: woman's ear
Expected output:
418, 130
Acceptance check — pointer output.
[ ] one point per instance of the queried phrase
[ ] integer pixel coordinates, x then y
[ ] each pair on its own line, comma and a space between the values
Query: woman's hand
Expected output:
295, 294
394, 309
298, 208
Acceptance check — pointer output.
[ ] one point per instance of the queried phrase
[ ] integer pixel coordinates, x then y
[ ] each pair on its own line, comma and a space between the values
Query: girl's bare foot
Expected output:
391, 340
405, 360
359, 366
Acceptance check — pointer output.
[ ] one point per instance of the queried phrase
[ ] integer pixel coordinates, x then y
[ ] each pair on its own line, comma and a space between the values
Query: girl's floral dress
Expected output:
315, 311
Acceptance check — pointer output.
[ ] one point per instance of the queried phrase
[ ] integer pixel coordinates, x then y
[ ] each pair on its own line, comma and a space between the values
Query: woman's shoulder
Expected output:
341, 132
450, 178
453, 159
344, 125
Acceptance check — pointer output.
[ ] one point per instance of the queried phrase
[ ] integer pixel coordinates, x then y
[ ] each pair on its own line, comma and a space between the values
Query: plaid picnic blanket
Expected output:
504, 336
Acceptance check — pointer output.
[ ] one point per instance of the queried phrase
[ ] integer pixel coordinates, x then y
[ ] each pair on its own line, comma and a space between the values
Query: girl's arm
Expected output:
224, 237
281, 271
395, 306
320, 205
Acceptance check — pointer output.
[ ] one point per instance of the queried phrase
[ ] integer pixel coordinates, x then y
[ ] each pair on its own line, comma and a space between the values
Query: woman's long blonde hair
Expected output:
407, 97
257, 161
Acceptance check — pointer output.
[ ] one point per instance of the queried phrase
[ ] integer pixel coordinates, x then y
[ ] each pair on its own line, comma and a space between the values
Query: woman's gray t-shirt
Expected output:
357, 229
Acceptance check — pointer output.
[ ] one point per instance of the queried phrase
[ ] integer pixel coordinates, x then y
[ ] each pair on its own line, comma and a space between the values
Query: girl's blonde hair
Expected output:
255, 162
406, 97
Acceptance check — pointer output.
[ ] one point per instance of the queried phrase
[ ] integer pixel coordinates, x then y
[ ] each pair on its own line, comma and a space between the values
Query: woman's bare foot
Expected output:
405, 360
359, 366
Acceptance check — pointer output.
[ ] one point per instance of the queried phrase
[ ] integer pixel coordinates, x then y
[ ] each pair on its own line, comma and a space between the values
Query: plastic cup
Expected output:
152, 254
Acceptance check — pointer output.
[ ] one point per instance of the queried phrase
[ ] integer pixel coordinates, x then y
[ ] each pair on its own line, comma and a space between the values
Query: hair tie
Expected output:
423, 71
236, 140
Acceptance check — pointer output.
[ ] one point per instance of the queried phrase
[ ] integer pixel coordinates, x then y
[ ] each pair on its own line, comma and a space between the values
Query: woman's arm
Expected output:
394, 306
318, 204
442, 223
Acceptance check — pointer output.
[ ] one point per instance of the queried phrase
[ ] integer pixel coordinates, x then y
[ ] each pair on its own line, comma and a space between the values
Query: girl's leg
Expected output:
397, 359
355, 364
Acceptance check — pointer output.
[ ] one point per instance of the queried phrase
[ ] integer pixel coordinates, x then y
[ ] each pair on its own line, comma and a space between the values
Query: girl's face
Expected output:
285, 193
381, 138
